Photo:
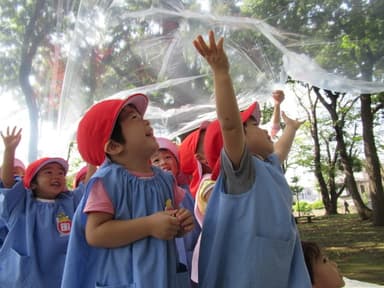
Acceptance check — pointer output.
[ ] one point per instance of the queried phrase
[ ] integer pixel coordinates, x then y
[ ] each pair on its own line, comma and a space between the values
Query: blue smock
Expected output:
34, 249
149, 262
186, 244
251, 239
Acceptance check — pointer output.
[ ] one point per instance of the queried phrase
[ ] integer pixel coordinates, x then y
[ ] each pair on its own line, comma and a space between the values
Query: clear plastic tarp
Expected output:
129, 46
115, 48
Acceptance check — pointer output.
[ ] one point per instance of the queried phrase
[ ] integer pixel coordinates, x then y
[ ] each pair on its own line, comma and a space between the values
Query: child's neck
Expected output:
135, 165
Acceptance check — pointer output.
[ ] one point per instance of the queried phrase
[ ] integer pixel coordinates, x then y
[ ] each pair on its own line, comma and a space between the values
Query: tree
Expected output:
356, 31
322, 156
26, 42
338, 123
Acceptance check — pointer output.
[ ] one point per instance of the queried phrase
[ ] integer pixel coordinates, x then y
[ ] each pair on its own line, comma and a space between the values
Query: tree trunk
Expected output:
373, 162
362, 210
33, 110
338, 126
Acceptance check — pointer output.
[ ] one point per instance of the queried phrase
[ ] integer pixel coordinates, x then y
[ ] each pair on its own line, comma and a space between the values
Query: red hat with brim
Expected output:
96, 126
213, 142
188, 162
79, 176
36, 166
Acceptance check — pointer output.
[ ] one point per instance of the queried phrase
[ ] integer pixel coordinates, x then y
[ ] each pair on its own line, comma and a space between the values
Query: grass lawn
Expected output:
356, 246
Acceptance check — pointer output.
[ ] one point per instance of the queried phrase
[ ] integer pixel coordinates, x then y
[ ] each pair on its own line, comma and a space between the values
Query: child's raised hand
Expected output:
186, 219
164, 225
278, 96
12, 138
213, 53
295, 124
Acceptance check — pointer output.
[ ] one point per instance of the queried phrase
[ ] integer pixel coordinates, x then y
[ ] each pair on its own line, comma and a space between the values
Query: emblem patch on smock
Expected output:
63, 224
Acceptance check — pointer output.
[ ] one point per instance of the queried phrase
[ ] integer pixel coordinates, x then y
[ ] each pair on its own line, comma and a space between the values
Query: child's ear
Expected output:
33, 185
112, 147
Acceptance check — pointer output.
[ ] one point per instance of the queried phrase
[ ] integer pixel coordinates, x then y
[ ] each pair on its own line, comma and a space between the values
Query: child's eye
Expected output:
155, 161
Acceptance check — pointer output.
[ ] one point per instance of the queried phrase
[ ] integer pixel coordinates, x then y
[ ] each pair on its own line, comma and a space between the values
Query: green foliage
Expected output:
302, 207
317, 205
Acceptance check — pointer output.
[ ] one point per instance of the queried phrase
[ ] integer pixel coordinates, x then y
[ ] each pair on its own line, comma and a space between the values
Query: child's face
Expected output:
137, 132
326, 274
165, 160
50, 181
258, 140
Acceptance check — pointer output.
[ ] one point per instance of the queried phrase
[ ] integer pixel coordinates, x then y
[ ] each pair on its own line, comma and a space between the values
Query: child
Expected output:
124, 229
278, 98
192, 158
249, 236
38, 213
167, 158
83, 175
323, 272
18, 172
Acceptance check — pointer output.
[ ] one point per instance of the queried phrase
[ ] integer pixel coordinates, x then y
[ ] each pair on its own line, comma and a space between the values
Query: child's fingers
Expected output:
212, 42
198, 48
220, 44
171, 212
203, 45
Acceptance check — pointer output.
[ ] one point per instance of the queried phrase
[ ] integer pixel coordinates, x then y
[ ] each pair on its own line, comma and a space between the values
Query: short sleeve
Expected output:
98, 199
240, 180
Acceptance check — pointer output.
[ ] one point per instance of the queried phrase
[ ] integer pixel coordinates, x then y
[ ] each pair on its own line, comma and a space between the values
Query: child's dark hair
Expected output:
312, 252
117, 134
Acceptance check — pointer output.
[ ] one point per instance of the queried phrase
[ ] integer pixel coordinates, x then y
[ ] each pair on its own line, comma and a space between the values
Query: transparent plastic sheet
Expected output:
122, 47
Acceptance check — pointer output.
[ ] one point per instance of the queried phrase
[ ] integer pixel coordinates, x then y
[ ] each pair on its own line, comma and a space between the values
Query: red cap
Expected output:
35, 167
252, 110
80, 174
96, 126
188, 162
213, 142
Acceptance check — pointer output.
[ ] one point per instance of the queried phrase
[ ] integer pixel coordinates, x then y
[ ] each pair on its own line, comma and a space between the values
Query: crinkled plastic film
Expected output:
132, 46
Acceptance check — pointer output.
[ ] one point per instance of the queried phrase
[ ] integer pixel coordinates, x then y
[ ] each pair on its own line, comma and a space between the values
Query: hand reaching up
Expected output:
212, 52
295, 124
278, 96
12, 138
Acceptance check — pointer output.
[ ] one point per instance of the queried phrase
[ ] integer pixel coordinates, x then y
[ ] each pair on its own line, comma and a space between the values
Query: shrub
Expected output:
302, 206
317, 204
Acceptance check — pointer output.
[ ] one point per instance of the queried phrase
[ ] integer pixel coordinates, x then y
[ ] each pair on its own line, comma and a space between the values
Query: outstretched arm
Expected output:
278, 97
227, 110
283, 145
11, 140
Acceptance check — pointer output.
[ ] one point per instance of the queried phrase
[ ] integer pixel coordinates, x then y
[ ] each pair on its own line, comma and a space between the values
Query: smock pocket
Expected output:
15, 269
273, 261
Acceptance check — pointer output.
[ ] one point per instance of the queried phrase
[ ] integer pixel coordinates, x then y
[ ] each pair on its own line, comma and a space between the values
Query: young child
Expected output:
323, 272
278, 97
124, 229
37, 211
249, 236
18, 172
192, 157
167, 158
83, 175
